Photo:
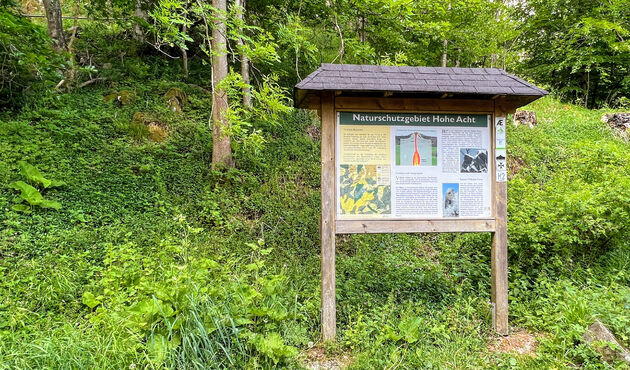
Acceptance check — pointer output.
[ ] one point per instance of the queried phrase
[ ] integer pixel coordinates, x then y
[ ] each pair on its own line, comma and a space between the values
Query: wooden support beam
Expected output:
508, 104
307, 100
327, 227
413, 226
414, 105
499, 253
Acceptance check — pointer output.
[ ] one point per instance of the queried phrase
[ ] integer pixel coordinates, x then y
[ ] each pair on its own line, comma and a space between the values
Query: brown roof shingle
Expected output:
467, 81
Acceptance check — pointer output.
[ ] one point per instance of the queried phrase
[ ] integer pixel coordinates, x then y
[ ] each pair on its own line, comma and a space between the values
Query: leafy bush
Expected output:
192, 311
27, 61
572, 205
565, 308
420, 336
578, 48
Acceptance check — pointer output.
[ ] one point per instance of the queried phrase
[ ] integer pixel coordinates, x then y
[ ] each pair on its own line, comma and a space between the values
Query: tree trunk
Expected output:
444, 52
184, 55
221, 149
247, 94
594, 93
445, 43
141, 13
362, 35
459, 55
71, 73
55, 24
588, 88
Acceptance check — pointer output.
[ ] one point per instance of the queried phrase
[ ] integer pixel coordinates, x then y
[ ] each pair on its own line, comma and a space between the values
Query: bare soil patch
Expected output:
316, 358
520, 342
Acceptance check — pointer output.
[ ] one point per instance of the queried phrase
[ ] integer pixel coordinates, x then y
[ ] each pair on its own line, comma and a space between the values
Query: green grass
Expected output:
175, 262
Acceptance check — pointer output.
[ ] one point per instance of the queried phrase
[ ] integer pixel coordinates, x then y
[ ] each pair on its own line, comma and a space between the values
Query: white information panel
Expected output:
499, 148
413, 165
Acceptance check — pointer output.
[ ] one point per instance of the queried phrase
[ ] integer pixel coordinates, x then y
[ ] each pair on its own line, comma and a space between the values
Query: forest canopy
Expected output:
577, 49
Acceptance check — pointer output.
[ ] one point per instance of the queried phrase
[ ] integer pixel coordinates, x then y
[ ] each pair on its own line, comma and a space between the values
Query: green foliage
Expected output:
32, 196
155, 260
27, 61
579, 48
130, 261
29, 193
571, 203
565, 308
32, 174
269, 101
104, 49
156, 296
272, 346
419, 336
294, 38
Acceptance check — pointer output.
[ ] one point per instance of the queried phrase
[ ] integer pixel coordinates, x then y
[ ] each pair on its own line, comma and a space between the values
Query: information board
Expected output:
413, 165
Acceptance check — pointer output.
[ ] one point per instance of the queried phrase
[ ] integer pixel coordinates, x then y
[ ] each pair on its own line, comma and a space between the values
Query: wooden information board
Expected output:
413, 150
408, 166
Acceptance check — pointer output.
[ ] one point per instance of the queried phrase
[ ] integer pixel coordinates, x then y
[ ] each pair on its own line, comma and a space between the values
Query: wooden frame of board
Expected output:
329, 104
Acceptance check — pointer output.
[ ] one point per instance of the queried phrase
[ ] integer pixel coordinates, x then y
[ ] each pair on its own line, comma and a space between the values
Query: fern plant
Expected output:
30, 196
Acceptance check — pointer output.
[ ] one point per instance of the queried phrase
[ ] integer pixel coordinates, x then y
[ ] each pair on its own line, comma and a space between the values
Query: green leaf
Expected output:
157, 347
28, 193
145, 307
390, 334
56, 184
32, 196
50, 204
273, 346
33, 174
90, 300
409, 329
209, 264
21, 208
241, 321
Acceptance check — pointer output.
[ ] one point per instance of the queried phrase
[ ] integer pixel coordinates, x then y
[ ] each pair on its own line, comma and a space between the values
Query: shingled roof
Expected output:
476, 83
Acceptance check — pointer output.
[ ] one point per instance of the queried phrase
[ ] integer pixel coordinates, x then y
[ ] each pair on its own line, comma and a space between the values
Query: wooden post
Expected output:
327, 225
499, 255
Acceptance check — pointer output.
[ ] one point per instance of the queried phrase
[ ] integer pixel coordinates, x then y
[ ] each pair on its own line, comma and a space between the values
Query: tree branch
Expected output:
89, 82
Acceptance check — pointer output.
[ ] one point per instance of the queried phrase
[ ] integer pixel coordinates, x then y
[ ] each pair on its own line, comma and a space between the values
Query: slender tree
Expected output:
140, 13
444, 52
221, 148
247, 94
55, 24
184, 51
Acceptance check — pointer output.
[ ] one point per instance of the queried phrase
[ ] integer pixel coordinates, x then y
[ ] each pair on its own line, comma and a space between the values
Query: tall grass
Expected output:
209, 338
79, 346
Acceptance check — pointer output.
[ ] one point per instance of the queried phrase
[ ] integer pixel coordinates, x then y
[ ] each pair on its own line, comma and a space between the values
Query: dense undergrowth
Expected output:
155, 260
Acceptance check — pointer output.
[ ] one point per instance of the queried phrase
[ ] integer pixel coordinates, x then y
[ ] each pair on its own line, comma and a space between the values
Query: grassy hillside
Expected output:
155, 260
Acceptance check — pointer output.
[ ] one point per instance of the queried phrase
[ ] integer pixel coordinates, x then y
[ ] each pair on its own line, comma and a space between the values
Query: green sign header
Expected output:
413, 119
